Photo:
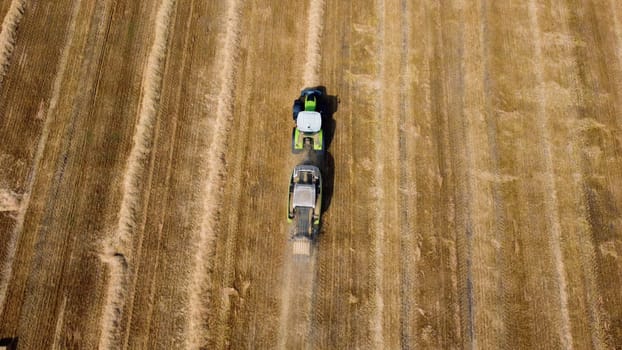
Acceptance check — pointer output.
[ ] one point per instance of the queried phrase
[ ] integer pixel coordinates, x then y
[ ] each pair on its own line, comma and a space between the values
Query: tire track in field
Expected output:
390, 145
8, 34
54, 164
7, 269
117, 252
617, 30
59, 324
173, 136
215, 166
550, 200
295, 276
582, 122
325, 257
447, 309
407, 186
596, 315
298, 290
376, 321
163, 20
473, 111
496, 337
314, 39
286, 299
457, 138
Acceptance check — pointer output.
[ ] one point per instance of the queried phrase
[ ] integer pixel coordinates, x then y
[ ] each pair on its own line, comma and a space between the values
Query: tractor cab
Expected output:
309, 122
308, 133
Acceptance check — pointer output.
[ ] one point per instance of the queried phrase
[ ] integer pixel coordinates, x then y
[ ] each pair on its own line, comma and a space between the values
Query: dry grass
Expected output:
214, 166
24, 202
378, 192
314, 40
9, 200
550, 203
118, 250
297, 302
490, 234
8, 34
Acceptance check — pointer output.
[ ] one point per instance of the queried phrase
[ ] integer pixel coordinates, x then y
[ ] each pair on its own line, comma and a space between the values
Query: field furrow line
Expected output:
8, 34
595, 317
327, 256
53, 164
284, 321
297, 303
390, 146
118, 254
376, 321
314, 39
497, 215
482, 226
214, 181
298, 295
617, 29
446, 164
457, 139
407, 186
324, 259
14, 238
167, 180
550, 200
322, 283
311, 77
58, 331
316, 284
147, 181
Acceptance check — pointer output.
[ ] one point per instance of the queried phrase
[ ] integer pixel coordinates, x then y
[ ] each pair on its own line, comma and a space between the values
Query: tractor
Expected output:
307, 113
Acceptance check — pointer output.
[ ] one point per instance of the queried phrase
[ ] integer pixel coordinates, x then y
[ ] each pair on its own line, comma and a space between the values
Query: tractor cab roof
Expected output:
308, 121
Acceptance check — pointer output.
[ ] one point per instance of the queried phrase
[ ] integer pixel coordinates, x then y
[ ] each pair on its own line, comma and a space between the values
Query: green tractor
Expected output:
308, 134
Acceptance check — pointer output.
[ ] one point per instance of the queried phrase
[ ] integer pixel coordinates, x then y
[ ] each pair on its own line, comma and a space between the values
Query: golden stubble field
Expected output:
475, 174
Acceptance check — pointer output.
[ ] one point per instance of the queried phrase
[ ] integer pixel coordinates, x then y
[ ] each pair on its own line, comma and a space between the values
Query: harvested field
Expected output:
473, 183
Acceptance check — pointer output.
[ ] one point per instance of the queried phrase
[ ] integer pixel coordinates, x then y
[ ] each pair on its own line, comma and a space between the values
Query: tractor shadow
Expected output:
328, 175
8, 343
330, 107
